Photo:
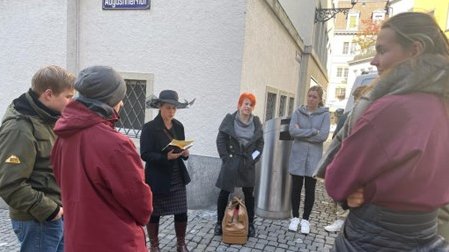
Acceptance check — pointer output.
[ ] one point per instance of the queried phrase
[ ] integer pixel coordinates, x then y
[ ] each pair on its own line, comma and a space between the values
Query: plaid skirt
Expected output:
174, 202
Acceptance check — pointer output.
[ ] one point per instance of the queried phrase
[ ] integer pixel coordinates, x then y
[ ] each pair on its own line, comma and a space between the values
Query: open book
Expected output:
178, 145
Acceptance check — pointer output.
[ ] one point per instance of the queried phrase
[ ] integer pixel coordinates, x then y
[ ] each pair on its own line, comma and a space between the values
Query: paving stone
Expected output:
274, 244
260, 246
284, 246
271, 235
269, 248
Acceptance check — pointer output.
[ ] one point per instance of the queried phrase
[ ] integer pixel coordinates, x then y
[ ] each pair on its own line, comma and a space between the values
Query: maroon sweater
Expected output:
398, 151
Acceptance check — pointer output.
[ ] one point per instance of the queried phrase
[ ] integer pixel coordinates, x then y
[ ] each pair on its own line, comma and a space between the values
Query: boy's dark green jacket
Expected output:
27, 183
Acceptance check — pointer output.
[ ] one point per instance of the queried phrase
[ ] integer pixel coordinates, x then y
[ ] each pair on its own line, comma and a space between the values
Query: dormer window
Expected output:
378, 16
352, 22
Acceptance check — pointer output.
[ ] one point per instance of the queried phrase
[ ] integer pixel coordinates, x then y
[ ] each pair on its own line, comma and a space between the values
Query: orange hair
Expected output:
247, 95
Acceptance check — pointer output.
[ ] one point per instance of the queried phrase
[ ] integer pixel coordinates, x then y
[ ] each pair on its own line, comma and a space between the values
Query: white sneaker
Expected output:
335, 227
294, 223
305, 226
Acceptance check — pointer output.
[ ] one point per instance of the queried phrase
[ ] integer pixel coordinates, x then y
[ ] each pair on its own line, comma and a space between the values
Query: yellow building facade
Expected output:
439, 9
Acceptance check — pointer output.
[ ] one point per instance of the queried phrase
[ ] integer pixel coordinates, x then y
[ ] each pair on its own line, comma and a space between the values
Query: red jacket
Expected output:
398, 152
106, 200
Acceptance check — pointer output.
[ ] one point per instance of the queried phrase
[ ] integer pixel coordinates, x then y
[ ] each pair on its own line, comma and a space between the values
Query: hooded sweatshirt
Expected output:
309, 131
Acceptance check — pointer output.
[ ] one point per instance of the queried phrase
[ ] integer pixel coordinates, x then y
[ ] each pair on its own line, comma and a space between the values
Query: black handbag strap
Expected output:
168, 134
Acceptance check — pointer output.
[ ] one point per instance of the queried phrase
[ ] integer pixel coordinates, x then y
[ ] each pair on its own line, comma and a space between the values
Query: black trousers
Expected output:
178, 218
222, 202
297, 182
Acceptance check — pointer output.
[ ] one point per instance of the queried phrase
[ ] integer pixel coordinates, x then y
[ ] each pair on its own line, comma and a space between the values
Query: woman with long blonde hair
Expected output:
391, 168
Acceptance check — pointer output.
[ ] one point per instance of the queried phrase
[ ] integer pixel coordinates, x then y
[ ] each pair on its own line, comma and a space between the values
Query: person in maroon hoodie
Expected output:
106, 200
391, 168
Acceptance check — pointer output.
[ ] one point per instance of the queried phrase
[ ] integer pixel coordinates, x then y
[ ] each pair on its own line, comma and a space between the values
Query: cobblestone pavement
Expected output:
272, 235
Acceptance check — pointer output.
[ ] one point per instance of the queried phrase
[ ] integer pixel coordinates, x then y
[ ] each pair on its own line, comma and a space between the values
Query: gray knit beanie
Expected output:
101, 83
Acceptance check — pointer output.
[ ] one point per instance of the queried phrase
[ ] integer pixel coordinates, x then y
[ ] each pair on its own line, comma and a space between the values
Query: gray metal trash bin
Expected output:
273, 180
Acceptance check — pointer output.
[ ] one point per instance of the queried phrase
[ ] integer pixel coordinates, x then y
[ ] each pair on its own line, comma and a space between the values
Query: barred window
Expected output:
271, 106
132, 115
291, 105
282, 105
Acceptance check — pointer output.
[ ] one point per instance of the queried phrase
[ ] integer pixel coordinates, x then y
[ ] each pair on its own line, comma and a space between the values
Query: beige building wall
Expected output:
316, 38
317, 72
269, 55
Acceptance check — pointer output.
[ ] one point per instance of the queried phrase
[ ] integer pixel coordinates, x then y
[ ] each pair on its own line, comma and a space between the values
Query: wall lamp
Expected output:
387, 8
324, 14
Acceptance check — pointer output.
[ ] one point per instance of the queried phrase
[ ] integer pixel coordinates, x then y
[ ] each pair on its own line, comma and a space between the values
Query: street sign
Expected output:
126, 4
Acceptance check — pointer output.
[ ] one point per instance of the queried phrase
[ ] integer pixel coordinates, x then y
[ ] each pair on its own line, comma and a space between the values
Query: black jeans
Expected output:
222, 202
297, 182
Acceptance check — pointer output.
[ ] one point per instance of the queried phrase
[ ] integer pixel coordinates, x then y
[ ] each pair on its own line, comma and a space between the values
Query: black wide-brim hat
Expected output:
167, 96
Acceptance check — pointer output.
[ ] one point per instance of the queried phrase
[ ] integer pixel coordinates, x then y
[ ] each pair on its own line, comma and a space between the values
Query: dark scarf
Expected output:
427, 73
102, 109
29, 104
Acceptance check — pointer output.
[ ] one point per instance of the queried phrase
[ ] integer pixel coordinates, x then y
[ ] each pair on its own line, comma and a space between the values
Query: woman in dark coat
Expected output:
240, 145
165, 171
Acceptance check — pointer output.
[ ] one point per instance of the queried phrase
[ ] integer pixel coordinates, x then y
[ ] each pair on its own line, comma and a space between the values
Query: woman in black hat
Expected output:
165, 171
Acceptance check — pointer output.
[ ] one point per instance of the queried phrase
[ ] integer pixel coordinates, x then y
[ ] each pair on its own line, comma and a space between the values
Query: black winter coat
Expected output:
238, 166
158, 169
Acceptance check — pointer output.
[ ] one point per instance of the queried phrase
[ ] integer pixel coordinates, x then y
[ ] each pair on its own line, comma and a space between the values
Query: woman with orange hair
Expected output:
240, 145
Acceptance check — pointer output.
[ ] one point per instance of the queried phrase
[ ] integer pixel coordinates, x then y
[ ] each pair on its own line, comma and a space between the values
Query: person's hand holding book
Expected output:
178, 146
185, 153
172, 155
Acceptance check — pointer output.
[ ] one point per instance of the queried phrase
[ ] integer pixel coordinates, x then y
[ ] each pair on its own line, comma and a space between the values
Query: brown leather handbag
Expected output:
235, 222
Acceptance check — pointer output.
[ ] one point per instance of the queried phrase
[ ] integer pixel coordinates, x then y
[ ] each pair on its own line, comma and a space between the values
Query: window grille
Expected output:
282, 105
132, 115
291, 105
271, 106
